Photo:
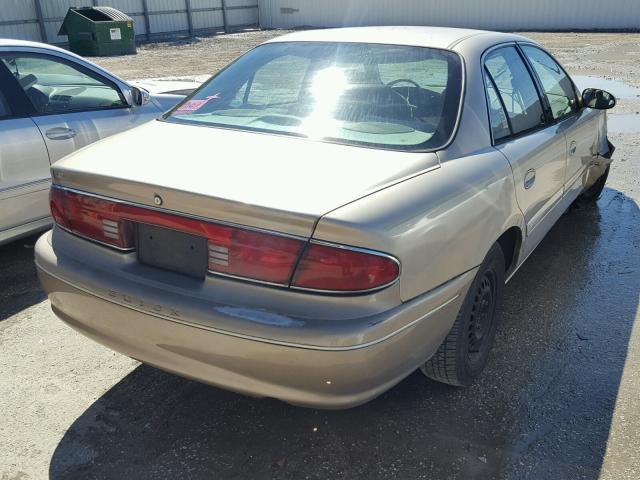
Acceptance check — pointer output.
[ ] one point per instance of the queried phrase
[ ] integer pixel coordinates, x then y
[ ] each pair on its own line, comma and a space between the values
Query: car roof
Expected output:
434, 37
14, 42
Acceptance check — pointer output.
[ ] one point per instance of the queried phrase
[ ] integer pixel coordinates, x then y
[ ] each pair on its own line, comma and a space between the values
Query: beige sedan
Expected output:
330, 212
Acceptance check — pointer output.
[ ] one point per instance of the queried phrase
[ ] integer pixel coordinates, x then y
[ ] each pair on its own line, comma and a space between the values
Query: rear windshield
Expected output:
384, 96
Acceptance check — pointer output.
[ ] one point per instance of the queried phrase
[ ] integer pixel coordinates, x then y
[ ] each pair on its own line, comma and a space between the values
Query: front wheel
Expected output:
592, 194
464, 352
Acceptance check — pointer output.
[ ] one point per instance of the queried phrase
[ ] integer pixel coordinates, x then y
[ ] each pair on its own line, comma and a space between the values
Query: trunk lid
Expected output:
266, 181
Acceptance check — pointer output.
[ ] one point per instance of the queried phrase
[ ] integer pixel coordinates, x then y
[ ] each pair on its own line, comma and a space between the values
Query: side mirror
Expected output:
139, 96
598, 99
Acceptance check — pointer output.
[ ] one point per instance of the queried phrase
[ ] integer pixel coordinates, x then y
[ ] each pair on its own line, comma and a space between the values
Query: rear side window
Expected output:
556, 84
499, 122
516, 89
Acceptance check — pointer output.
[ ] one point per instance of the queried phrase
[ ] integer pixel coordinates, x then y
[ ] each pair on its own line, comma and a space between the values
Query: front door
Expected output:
73, 106
24, 166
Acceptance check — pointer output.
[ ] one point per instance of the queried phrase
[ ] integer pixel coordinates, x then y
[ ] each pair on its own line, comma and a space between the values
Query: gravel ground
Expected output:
189, 57
559, 399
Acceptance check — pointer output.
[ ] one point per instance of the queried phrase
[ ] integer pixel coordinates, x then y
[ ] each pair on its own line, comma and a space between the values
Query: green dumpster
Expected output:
98, 31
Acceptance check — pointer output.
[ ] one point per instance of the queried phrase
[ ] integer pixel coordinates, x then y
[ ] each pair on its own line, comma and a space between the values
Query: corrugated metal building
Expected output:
484, 14
40, 20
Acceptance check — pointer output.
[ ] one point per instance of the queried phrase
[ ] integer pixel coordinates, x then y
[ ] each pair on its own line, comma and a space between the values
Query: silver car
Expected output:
330, 212
52, 103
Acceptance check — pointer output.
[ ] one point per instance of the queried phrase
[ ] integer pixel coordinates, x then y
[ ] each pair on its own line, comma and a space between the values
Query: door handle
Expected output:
60, 133
529, 178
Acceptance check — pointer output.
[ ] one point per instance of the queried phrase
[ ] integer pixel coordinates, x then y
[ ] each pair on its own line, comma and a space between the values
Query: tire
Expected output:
463, 354
591, 195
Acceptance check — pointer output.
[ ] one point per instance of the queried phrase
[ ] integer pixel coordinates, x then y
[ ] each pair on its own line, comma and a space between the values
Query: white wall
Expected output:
484, 14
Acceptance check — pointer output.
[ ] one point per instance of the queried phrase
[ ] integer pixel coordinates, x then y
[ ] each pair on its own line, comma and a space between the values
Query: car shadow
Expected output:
19, 285
543, 408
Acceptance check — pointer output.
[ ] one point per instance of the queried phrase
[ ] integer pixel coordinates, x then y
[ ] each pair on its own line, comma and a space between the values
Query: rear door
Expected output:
536, 149
24, 163
72, 104
580, 125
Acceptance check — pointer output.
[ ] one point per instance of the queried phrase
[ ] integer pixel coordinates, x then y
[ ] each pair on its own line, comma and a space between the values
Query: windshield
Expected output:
386, 96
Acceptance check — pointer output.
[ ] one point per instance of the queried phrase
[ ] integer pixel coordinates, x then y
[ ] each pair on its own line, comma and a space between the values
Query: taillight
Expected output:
254, 255
234, 251
331, 268
91, 217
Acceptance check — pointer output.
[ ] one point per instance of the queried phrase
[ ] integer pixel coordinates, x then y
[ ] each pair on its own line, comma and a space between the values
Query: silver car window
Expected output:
516, 89
388, 96
556, 84
55, 86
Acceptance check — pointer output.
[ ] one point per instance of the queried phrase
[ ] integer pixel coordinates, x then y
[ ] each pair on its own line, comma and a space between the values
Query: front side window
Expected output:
556, 84
516, 89
55, 86
387, 96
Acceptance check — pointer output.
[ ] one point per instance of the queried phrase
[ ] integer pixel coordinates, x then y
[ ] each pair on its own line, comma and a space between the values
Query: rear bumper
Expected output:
307, 372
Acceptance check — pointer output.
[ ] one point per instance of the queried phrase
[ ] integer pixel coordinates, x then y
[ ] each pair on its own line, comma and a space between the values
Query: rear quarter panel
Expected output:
439, 224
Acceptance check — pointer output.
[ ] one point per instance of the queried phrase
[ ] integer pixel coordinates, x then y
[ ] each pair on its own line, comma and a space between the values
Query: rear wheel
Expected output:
463, 354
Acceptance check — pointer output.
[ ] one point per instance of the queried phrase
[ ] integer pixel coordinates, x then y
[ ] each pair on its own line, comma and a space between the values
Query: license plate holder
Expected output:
172, 250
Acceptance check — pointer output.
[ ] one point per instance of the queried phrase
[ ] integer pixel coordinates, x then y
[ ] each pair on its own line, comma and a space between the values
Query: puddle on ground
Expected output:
623, 123
617, 87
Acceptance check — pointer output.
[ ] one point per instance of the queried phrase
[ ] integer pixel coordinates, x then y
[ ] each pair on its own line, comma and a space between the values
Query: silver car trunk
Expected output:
267, 181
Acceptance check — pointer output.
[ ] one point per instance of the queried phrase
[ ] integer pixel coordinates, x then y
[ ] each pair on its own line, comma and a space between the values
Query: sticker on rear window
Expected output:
193, 105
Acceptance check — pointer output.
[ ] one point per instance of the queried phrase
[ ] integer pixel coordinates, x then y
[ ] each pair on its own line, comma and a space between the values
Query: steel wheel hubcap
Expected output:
481, 321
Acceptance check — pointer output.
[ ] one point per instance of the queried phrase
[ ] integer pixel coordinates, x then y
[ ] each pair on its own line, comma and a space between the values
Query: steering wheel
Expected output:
400, 80
391, 84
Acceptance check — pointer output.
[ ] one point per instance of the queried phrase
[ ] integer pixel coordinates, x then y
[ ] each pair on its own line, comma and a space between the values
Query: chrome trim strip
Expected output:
25, 185
250, 337
110, 223
246, 279
17, 231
